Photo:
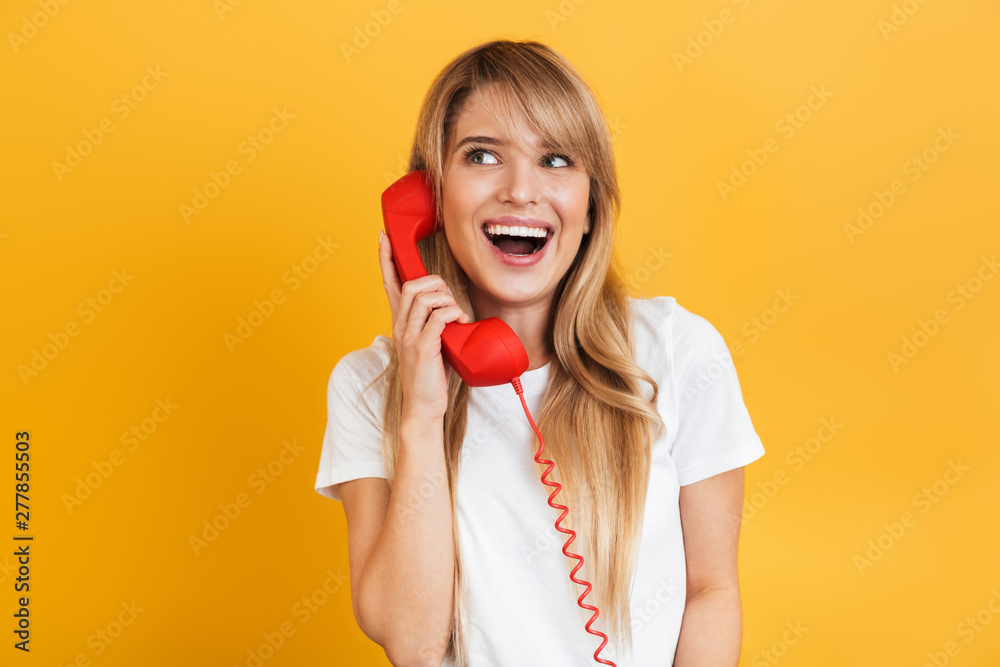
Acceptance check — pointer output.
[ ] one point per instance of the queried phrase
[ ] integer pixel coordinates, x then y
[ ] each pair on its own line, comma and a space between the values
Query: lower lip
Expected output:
516, 260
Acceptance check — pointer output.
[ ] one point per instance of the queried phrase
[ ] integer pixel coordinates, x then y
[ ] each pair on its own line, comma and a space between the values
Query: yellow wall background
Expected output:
156, 97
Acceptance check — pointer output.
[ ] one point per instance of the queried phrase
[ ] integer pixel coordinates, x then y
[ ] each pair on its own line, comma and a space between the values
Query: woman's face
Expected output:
488, 183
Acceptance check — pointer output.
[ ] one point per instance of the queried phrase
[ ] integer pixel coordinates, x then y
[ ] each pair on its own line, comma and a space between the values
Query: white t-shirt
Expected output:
522, 604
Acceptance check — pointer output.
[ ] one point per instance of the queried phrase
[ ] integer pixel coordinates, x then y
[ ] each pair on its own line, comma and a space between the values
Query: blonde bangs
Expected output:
523, 108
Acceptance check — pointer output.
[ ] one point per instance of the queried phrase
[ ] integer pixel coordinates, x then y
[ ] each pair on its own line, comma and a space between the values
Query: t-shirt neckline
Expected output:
533, 382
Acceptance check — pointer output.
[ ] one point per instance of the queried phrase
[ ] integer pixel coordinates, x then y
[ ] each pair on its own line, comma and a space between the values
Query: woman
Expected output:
454, 559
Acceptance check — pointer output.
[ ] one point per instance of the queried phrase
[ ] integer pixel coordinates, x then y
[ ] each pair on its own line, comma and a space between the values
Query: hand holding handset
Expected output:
483, 353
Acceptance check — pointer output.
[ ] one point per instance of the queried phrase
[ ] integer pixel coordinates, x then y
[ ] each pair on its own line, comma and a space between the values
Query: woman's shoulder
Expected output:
662, 321
660, 311
364, 364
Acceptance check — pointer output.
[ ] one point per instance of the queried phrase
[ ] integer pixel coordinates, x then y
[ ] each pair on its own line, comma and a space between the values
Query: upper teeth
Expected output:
536, 232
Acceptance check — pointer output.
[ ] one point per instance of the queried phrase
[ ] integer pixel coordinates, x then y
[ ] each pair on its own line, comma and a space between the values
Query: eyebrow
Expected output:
496, 142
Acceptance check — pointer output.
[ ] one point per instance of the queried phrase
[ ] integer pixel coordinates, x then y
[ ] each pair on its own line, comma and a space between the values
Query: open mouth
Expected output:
517, 241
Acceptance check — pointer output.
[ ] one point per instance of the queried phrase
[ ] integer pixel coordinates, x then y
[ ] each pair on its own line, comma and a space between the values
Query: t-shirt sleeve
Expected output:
714, 430
352, 443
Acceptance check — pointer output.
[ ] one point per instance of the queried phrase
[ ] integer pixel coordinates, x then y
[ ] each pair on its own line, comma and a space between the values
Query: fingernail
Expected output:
380, 235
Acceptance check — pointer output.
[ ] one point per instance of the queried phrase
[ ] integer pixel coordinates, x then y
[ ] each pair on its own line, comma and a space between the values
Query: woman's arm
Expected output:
711, 628
405, 585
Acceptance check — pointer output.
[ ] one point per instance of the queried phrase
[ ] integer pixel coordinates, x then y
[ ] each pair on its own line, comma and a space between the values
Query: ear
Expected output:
586, 225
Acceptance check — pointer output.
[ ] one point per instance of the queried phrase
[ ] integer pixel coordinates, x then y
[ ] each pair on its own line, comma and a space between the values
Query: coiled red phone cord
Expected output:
516, 382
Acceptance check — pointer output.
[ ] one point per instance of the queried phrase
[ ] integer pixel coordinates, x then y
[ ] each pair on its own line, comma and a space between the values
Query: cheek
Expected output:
460, 203
458, 213
455, 195
573, 204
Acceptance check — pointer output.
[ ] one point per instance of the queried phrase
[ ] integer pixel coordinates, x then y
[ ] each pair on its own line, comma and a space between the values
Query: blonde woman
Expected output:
454, 559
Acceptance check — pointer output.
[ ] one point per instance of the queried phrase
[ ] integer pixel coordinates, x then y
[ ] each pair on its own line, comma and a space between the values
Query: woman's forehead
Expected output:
480, 127
487, 117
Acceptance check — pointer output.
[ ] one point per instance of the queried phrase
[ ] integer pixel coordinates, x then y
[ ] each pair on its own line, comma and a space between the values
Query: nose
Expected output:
520, 184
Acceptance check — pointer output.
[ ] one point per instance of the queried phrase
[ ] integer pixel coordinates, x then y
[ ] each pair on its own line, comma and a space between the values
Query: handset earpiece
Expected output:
484, 353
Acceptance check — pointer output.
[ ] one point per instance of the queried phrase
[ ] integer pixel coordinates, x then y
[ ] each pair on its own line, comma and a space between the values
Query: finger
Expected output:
425, 284
390, 277
437, 321
423, 306
429, 283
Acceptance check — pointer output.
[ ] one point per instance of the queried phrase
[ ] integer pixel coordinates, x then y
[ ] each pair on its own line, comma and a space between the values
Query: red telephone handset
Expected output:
483, 353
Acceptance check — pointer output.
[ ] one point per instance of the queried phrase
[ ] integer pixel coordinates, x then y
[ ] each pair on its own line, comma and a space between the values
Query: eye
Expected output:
565, 159
472, 151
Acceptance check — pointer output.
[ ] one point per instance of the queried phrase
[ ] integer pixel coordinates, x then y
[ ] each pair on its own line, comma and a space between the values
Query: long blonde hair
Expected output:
597, 425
